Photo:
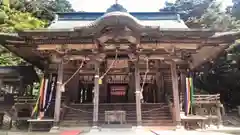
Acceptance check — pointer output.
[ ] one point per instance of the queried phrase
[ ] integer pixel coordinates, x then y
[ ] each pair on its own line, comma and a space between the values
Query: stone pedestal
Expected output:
95, 129
54, 129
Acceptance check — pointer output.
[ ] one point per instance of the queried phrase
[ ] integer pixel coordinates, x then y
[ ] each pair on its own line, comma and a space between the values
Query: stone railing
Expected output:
64, 110
206, 98
171, 107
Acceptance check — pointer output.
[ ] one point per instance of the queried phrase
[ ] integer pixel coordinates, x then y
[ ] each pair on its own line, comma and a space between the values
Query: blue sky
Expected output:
130, 5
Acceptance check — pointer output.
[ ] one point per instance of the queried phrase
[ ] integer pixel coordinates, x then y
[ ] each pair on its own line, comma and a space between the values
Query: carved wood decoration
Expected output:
89, 65
118, 63
148, 79
118, 79
86, 78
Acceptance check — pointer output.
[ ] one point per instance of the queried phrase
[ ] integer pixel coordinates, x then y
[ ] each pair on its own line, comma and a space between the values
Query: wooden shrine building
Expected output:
118, 59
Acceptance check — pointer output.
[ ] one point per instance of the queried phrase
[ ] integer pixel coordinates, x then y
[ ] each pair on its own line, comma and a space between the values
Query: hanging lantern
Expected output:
100, 81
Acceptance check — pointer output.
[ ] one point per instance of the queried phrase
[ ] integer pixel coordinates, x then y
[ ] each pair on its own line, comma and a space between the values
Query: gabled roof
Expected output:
161, 23
82, 30
83, 19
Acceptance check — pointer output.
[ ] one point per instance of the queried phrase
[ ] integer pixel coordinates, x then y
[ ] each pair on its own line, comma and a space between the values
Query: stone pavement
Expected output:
124, 133
132, 132
223, 131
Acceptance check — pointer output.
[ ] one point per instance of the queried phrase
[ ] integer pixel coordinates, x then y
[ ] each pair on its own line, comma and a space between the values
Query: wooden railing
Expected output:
206, 99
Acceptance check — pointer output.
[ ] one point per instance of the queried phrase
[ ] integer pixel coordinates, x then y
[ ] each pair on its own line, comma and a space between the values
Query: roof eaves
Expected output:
10, 36
48, 30
227, 34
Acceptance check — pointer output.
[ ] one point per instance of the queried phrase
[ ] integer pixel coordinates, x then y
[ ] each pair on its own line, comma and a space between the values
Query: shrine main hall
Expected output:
131, 63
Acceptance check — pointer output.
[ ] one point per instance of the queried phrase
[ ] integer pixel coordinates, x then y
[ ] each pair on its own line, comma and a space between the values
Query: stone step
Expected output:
128, 118
127, 114
162, 112
132, 122
83, 106
127, 111
118, 106
82, 110
152, 114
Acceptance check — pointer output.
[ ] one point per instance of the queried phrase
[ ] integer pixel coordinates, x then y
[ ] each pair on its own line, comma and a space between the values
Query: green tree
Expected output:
11, 21
215, 18
222, 76
188, 8
203, 14
42, 9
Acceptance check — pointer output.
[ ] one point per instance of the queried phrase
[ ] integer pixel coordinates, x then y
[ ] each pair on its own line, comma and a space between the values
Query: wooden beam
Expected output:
154, 40
118, 34
183, 86
155, 46
164, 57
190, 46
66, 46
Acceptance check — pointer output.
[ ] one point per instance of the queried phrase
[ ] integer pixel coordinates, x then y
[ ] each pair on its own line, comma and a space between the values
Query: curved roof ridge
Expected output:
128, 17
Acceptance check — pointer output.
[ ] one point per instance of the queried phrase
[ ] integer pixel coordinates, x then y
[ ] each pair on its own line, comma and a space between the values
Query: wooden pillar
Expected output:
183, 88
57, 109
103, 87
96, 95
138, 94
158, 81
105, 83
176, 103
131, 83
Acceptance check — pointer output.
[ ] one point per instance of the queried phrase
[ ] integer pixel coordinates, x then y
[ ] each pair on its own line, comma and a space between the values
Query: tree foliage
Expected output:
11, 21
188, 8
26, 14
203, 14
222, 76
42, 9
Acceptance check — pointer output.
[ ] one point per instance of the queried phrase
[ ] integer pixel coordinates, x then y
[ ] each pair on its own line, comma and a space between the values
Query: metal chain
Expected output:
80, 110
75, 109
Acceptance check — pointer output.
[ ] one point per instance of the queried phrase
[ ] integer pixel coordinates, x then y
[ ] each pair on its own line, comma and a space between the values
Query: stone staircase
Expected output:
153, 114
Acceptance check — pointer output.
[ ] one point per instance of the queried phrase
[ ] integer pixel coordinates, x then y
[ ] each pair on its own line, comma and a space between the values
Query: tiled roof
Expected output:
162, 20
161, 23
